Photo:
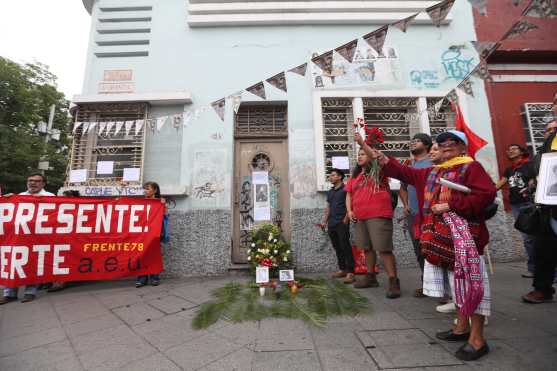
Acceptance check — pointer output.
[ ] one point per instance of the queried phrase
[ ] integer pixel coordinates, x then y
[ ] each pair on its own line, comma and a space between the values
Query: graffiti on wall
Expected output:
456, 65
207, 190
208, 175
425, 79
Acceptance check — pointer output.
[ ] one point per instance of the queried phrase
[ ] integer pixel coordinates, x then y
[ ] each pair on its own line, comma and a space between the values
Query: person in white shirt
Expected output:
35, 187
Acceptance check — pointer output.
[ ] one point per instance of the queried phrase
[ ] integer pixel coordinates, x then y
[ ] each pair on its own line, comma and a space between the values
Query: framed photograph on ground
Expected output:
546, 192
261, 274
286, 275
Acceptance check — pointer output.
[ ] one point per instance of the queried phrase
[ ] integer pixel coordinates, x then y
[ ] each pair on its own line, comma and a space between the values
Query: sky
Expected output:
53, 32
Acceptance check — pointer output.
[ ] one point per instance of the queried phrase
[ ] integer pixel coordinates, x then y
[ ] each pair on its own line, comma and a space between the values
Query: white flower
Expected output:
270, 236
288, 251
259, 250
249, 251
249, 257
285, 259
252, 245
275, 240
276, 251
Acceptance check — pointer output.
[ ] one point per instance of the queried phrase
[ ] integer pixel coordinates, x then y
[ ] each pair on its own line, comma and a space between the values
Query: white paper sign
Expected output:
260, 177
78, 176
131, 174
341, 163
105, 167
286, 275
261, 214
261, 274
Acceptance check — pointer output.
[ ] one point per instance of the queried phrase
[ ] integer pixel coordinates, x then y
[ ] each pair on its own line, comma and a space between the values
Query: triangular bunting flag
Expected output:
76, 125
256, 89
482, 71
138, 126
109, 126
453, 97
404, 23
485, 48
160, 122
220, 106
541, 9
278, 81
177, 121
187, 116
439, 12
128, 126
518, 29
300, 70
348, 50
236, 99
91, 126
152, 124
85, 128
324, 61
481, 5
102, 126
376, 39
437, 106
119, 125
466, 86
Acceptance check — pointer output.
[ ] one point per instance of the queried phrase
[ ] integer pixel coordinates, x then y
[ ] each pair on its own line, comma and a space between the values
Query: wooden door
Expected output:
267, 155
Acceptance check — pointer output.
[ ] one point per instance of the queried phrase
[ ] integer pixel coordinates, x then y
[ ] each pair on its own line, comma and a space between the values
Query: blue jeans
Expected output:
29, 290
528, 239
144, 279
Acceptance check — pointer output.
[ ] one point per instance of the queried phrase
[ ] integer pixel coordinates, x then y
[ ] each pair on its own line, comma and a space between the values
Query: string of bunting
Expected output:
375, 39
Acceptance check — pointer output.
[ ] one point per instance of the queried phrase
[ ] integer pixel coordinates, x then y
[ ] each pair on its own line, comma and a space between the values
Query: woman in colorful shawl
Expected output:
453, 233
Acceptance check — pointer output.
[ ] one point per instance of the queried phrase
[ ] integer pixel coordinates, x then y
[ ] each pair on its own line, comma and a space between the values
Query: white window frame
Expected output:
358, 111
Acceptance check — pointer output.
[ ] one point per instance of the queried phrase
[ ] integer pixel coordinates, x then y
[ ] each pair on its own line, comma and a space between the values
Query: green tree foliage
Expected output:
26, 94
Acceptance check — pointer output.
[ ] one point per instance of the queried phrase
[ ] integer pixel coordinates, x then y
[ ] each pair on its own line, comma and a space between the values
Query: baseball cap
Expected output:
452, 134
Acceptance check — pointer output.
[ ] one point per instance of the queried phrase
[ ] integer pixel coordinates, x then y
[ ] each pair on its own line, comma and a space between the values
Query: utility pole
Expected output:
50, 133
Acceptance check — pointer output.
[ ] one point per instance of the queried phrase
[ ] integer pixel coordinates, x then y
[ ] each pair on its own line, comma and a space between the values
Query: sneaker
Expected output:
155, 282
339, 274
7, 299
446, 308
349, 278
537, 297
527, 275
394, 288
370, 280
139, 284
27, 298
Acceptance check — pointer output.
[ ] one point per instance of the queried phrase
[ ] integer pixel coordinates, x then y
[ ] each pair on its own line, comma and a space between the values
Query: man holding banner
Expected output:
51, 239
35, 187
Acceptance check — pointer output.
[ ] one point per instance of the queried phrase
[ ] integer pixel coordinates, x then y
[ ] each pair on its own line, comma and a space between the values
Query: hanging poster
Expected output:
262, 204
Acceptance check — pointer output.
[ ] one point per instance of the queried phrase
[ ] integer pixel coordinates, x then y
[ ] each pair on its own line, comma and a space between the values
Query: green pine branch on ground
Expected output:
314, 303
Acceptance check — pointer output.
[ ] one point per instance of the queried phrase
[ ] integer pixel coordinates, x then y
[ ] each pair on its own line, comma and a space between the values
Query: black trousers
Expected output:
545, 246
340, 237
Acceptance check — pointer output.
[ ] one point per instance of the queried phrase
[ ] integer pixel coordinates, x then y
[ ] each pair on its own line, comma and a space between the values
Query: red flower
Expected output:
266, 262
373, 135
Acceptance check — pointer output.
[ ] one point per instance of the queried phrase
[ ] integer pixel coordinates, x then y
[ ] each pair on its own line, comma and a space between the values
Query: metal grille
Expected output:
396, 117
536, 117
442, 120
261, 121
125, 150
338, 132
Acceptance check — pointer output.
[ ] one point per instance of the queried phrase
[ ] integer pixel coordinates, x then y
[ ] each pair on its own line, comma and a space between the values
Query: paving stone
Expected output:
336, 335
239, 360
19, 327
244, 333
21, 343
155, 362
169, 331
171, 304
104, 321
110, 348
135, 314
303, 360
283, 334
201, 351
383, 321
81, 310
405, 348
353, 359
194, 293
119, 299
538, 353
55, 356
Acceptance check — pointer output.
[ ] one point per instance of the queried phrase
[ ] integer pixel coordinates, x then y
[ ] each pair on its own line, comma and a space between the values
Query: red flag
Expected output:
475, 143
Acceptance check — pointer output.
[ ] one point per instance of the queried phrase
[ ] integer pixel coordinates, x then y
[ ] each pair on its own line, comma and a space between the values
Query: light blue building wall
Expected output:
215, 61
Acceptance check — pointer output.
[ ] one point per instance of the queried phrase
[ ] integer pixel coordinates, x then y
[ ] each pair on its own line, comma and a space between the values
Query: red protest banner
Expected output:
45, 239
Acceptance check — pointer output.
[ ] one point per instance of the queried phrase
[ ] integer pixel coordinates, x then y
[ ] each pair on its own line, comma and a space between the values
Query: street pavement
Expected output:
114, 326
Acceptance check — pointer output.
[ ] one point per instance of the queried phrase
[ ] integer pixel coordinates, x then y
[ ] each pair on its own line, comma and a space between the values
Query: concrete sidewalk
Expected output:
113, 325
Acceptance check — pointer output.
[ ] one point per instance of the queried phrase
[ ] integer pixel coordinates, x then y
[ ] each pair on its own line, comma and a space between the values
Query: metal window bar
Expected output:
261, 121
535, 117
125, 150
338, 131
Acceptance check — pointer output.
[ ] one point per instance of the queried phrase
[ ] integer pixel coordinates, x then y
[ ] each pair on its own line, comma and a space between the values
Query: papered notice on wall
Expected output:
262, 204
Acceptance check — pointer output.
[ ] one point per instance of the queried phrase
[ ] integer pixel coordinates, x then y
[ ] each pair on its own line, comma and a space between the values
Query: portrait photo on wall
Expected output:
261, 193
546, 192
